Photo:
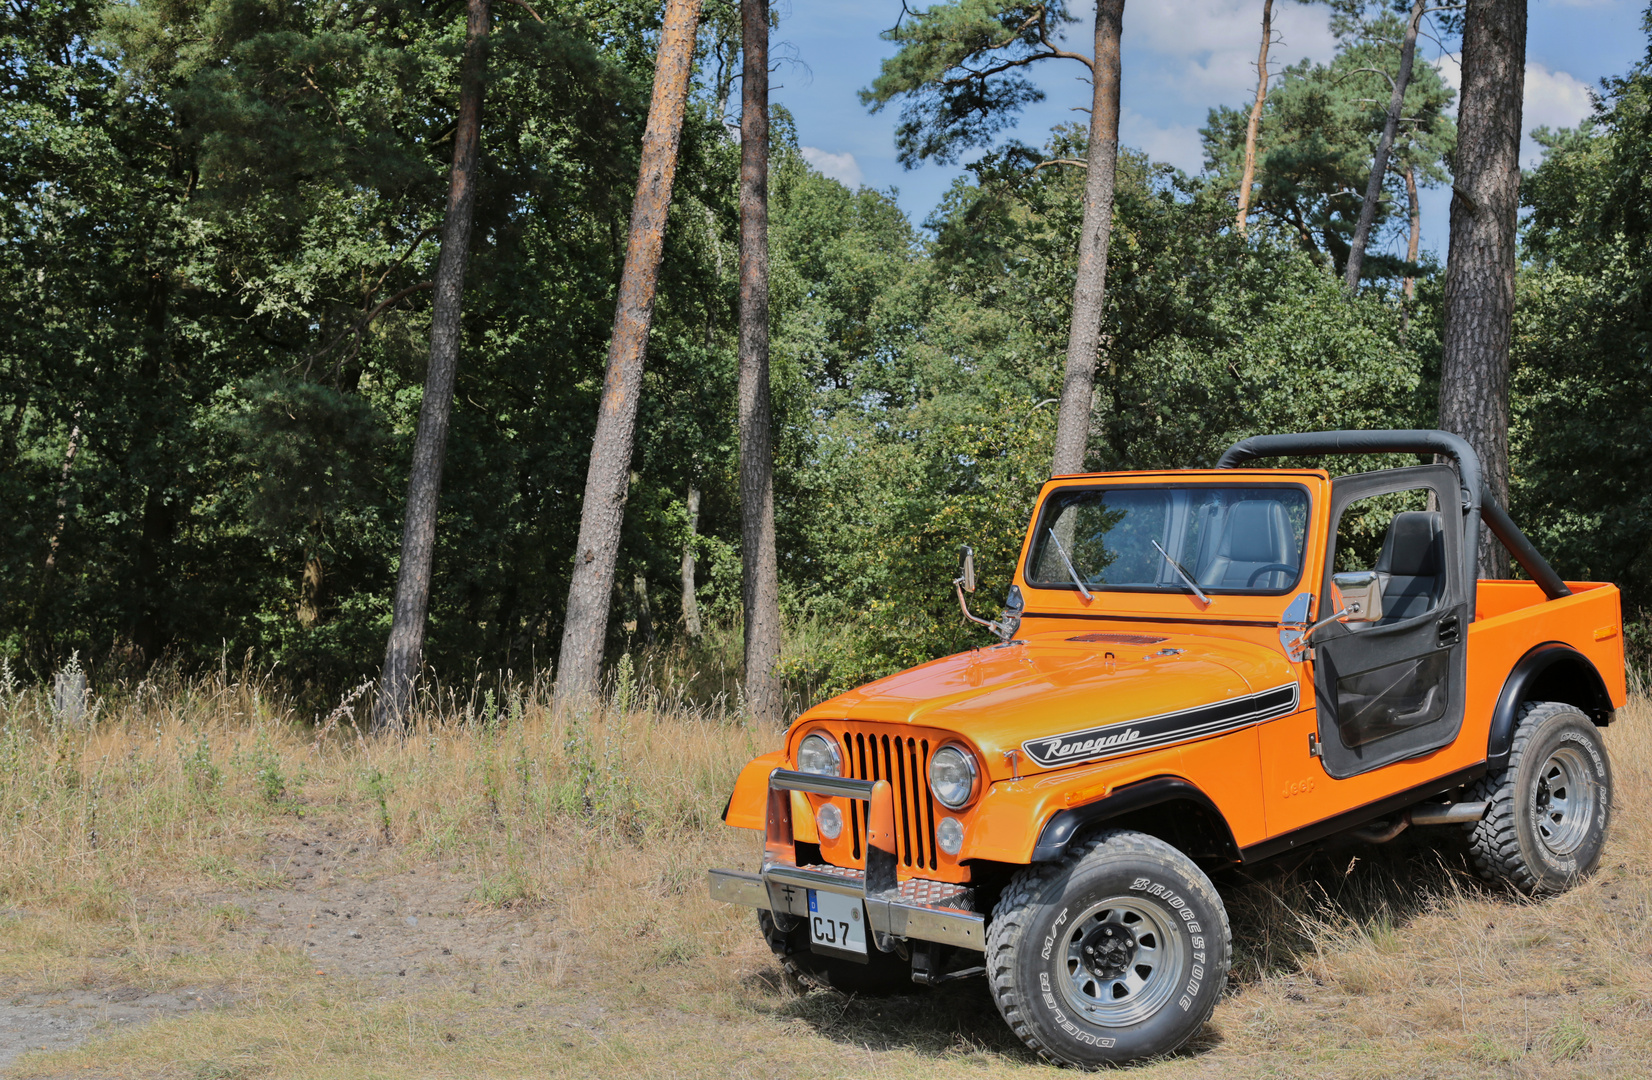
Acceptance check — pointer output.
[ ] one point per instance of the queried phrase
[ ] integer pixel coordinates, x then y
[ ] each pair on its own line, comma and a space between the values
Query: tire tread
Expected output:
1017, 905
1494, 840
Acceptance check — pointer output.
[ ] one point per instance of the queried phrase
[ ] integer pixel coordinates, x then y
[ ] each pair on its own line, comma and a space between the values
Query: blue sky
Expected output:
1180, 58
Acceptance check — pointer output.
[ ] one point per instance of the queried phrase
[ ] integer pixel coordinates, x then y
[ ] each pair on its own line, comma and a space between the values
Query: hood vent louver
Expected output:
1119, 639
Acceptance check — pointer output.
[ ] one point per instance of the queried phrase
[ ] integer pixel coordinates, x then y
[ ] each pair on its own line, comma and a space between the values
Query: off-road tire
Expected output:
1527, 839
882, 975
1051, 914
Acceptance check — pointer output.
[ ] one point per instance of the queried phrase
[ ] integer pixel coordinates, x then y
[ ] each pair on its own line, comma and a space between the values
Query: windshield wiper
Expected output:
1187, 577
1074, 573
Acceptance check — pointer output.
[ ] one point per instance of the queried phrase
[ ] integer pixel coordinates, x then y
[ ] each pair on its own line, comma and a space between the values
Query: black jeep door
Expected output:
1393, 689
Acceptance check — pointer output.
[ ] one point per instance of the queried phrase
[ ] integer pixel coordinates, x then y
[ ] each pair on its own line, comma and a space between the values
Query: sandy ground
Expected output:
347, 908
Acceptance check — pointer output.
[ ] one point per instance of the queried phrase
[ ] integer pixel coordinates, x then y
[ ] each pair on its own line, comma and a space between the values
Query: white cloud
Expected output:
1214, 44
1554, 98
840, 167
1175, 144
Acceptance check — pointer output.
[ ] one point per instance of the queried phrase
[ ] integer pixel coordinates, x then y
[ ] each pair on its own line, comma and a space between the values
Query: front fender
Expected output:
748, 805
1026, 821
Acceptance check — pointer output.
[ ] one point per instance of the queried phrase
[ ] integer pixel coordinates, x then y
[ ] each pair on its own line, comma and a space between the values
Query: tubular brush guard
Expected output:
894, 910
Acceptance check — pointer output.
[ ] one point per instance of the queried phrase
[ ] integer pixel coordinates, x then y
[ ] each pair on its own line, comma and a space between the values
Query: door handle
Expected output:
1447, 632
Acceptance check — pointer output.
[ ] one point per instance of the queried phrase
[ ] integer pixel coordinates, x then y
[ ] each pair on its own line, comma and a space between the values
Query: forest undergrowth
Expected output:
508, 891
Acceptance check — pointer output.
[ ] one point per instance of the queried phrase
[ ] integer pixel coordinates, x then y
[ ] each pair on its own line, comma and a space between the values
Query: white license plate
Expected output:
837, 921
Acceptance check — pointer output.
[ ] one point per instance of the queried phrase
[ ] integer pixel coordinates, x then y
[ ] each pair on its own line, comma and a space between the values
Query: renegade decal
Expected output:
1095, 743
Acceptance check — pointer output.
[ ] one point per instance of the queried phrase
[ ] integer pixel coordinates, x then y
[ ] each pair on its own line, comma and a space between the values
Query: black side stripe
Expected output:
1110, 740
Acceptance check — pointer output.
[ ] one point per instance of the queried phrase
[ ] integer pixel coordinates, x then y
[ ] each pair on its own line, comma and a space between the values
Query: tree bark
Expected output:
759, 566
691, 604
1089, 291
585, 628
645, 612
1249, 176
1408, 291
1072, 433
1480, 263
1390, 128
62, 501
1414, 207
309, 592
404, 653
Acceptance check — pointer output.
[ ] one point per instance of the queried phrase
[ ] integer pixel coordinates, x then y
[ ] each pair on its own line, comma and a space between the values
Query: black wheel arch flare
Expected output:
1552, 671
1066, 826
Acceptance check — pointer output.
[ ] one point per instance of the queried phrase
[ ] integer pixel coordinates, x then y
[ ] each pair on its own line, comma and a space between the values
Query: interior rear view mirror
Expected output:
1359, 596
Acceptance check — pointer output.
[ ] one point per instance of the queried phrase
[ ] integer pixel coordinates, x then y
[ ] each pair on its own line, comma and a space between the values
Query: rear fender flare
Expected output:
1552, 671
1067, 825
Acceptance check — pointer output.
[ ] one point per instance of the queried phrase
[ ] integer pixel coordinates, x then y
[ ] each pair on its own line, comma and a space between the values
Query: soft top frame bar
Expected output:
1478, 501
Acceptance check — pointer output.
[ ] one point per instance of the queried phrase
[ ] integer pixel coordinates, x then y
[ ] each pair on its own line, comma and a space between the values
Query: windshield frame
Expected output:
1044, 521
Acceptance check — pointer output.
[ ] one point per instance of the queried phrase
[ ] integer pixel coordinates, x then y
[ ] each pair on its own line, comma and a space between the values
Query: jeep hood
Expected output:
1067, 697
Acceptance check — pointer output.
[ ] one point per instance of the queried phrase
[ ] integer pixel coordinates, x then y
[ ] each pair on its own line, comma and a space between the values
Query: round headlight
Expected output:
818, 755
952, 776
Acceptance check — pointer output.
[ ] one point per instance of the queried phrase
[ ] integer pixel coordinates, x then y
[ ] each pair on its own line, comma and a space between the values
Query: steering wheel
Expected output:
1268, 569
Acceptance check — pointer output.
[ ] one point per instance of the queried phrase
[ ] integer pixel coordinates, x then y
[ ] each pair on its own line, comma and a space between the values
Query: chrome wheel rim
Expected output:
1123, 960
1564, 800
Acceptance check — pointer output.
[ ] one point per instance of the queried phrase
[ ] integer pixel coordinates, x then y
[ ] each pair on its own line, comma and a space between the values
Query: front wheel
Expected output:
1118, 952
882, 975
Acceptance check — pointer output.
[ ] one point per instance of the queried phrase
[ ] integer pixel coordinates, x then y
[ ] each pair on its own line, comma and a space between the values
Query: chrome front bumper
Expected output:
916, 909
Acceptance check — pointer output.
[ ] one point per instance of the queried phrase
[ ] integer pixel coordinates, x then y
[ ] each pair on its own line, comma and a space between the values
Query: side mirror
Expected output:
967, 578
1360, 593
1357, 597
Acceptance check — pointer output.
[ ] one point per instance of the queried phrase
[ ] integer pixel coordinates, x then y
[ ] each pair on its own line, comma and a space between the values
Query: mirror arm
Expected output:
1300, 644
997, 628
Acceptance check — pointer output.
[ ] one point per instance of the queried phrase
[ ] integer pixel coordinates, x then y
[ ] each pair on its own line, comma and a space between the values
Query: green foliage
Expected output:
959, 69
1581, 435
1318, 136
219, 225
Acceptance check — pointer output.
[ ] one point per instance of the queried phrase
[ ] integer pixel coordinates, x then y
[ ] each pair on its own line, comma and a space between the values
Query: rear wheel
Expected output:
1550, 808
883, 974
1118, 952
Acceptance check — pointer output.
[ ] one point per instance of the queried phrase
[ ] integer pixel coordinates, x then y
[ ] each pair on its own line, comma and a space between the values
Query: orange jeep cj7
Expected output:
1197, 669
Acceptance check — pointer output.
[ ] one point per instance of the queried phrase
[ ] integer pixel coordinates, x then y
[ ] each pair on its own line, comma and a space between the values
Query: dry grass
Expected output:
142, 853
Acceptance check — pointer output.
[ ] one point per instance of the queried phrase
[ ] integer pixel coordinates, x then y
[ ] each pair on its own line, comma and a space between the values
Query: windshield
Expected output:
1228, 538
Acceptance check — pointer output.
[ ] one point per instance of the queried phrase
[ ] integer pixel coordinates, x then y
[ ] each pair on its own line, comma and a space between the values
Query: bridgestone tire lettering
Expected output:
1030, 932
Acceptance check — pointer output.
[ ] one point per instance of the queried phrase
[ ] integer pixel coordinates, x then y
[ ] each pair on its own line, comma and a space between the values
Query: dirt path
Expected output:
351, 907
354, 912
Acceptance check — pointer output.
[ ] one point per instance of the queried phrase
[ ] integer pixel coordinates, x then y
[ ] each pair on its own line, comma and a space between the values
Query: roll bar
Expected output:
1478, 501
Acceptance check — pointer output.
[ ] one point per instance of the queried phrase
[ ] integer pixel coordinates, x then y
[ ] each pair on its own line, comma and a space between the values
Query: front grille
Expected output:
902, 761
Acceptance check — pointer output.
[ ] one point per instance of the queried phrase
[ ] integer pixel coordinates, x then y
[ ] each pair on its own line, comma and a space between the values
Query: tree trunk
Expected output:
760, 574
1408, 292
62, 501
1416, 212
149, 635
1072, 433
8, 444
404, 653
585, 627
691, 605
309, 592
1479, 284
1249, 176
645, 612
1390, 128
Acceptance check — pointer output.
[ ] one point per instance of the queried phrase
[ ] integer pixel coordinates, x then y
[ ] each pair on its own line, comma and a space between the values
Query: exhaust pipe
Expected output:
1463, 813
